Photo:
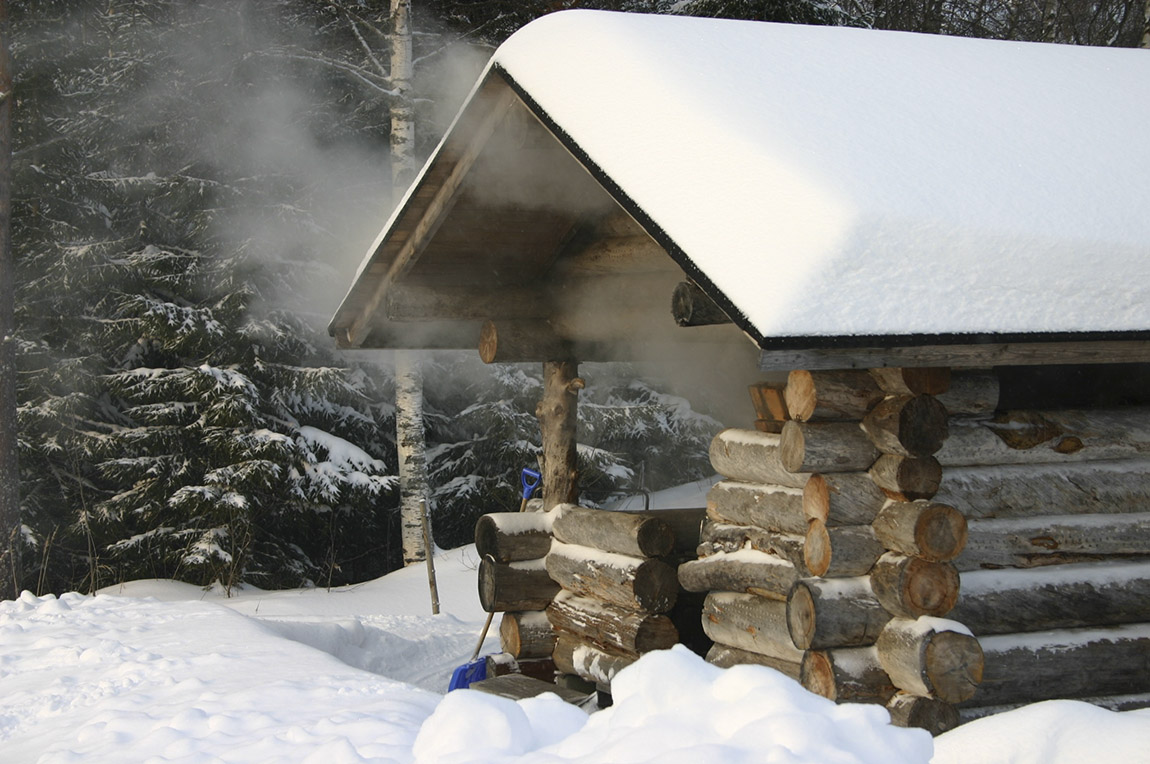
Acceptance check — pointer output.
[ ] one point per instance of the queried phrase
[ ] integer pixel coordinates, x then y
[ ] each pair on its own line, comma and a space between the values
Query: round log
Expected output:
931, 657
826, 447
1023, 490
830, 395
746, 570
931, 714
725, 656
932, 531
1072, 663
907, 425
771, 507
907, 478
514, 585
842, 612
910, 587
750, 622
846, 675
513, 536
690, 306
1030, 541
557, 413
630, 582
751, 456
637, 535
718, 535
1048, 437
769, 401
526, 635
912, 380
575, 656
611, 627
848, 550
1054, 597
843, 498
514, 341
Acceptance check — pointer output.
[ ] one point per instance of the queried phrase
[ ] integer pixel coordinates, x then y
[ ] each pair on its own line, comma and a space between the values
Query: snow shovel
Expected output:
475, 669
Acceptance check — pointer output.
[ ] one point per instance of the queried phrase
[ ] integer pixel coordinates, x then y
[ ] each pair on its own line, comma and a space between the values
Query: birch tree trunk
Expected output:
9, 467
1146, 26
409, 433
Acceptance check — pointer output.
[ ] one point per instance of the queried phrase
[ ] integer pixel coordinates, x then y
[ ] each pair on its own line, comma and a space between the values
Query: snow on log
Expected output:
1048, 437
772, 507
847, 675
931, 714
826, 447
841, 612
932, 531
907, 425
750, 622
746, 570
1054, 597
629, 582
719, 535
1068, 663
725, 656
1020, 490
751, 456
907, 478
931, 657
636, 535
609, 626
842, 498
1029, 541
514, 585
573, 656
848, 550
910, 587
526, 634
513, 536
830, 395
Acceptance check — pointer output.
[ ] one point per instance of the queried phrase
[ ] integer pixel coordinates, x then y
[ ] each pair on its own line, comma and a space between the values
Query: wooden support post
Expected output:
557, 413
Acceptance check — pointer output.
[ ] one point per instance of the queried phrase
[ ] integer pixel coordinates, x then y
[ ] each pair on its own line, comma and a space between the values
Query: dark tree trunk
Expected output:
9, 467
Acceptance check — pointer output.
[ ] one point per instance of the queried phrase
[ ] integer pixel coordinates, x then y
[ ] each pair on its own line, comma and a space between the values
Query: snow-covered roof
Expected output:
836, 184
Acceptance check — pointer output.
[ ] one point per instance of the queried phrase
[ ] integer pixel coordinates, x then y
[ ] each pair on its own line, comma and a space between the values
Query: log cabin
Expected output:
928, 261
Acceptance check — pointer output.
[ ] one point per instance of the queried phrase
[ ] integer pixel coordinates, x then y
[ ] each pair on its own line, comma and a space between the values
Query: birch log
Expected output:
826, 447
843, 498
1030, 541
848, 550
1070, 663
750, 622
847, 675
932, 531
771, 507
611, 627
911, 587
932, 657
842, 612
725, 656
526, 635
751, 456
1054, 597
629, 582
636, 535
829, 395
746, 570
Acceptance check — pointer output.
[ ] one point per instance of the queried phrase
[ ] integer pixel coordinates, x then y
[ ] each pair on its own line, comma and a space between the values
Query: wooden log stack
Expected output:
823, 552
863, 502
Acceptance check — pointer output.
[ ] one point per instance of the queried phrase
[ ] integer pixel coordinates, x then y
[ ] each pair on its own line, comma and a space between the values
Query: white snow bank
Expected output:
995, 186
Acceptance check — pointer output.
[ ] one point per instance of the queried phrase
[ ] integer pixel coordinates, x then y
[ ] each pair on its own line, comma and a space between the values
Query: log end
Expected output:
931, 714
800, 395
940, 533
816, 498
816, 674
792, 447
801, 616
923, 426
817, 548
954, 665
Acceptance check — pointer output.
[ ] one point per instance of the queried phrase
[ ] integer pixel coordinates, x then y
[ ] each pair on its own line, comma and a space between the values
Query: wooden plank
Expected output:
519, 687
958, 356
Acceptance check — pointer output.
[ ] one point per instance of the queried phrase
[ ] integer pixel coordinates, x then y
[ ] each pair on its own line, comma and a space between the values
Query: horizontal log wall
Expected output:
930, 522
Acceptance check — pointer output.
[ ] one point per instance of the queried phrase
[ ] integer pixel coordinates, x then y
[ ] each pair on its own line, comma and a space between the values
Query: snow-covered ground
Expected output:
165, 672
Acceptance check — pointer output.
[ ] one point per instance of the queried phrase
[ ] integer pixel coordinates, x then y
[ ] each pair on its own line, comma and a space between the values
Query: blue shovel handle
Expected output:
530, 480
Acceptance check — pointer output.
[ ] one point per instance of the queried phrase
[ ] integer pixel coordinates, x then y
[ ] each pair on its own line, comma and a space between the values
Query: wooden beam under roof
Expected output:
958, 355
